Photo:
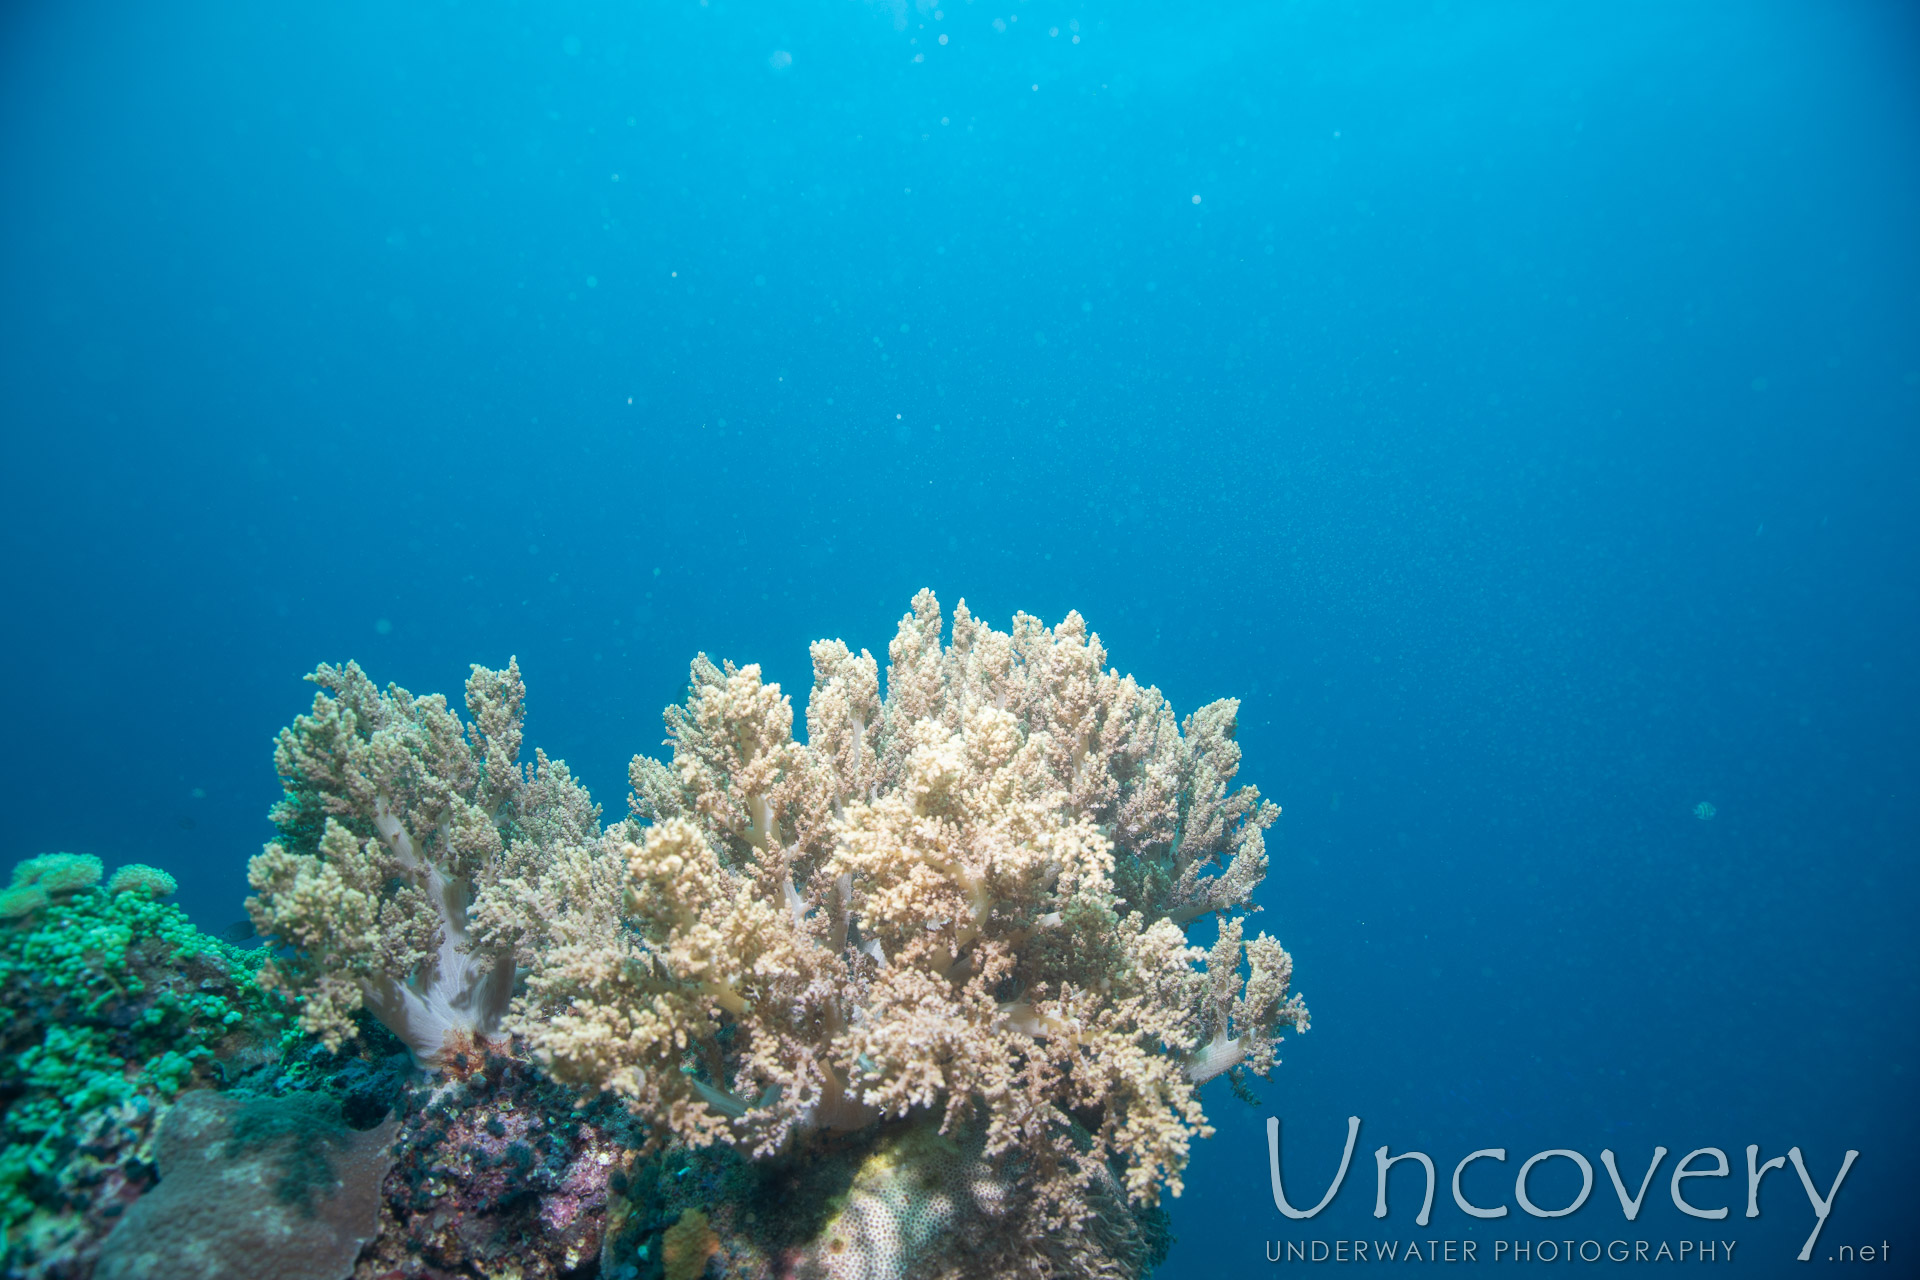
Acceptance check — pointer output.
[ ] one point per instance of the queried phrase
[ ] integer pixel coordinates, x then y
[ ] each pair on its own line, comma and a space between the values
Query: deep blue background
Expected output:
1521, 420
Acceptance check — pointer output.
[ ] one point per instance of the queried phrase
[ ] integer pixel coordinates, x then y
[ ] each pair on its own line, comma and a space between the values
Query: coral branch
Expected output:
395, 816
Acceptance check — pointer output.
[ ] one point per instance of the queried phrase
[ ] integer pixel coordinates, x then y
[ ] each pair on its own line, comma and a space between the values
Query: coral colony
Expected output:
913, 997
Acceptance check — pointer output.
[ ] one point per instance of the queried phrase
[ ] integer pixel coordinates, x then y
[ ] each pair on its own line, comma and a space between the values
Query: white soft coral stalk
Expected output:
1217, 1057
395, 815
455, 1003
1246, 1019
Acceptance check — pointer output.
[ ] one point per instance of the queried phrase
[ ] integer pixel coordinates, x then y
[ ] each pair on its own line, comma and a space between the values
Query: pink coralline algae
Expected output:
499, 1174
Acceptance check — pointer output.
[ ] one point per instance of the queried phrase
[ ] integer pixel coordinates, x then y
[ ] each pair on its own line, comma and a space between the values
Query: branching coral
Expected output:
965, 902
395, 815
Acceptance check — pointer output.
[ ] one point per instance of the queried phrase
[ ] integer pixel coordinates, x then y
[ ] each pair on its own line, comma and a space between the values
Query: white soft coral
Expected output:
395, 816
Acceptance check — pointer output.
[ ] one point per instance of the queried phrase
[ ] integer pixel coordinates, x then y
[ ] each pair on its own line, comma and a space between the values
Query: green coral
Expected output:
107, 1000
22, 900
59, 873
138, 877
38, 882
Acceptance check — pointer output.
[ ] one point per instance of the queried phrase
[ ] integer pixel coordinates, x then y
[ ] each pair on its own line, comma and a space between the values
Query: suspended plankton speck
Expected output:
1196, 198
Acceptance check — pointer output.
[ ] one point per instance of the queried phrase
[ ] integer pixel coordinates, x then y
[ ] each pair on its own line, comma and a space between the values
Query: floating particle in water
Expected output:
1705, 811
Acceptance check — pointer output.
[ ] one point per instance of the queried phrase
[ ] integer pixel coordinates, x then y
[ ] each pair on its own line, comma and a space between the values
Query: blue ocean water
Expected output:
1514, 404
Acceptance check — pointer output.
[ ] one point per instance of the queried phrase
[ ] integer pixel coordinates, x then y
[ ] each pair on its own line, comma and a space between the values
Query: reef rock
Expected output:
253, 1189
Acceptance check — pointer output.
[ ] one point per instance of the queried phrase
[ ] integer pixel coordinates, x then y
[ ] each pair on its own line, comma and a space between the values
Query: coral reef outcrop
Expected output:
908, 996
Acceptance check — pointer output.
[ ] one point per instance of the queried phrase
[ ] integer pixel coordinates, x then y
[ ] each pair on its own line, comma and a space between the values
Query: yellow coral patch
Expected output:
687, 1244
